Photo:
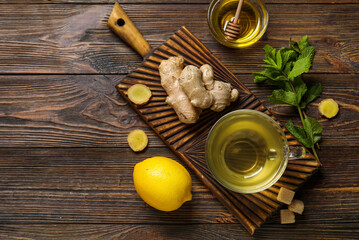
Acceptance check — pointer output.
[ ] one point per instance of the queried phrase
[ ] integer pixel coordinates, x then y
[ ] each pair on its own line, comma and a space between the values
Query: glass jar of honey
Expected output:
253, 20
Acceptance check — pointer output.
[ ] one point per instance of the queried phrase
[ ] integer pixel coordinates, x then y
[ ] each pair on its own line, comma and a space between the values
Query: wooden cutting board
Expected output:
188, 141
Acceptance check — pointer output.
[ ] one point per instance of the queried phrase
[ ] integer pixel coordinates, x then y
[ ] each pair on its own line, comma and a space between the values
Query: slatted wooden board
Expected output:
188, 141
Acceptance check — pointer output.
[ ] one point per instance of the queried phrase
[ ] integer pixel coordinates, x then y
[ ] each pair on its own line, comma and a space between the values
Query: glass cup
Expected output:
247, 151
253, 21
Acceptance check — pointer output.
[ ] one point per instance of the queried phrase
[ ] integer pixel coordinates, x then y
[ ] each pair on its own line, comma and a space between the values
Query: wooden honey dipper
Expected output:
233, 29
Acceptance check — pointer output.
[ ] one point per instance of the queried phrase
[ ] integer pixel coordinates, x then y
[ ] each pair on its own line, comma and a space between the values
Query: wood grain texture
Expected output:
80, 111
82, 185
166, 1
64, 43
87, 111
176, 232
188, 140
65, 168
95, 185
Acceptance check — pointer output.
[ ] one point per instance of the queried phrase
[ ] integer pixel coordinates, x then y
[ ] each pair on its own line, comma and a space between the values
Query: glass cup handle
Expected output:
296, 152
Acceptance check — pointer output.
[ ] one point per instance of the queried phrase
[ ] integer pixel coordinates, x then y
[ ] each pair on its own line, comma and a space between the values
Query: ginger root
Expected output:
192, 84
207, 76
170, 72
192, 89
139, 94
328, 108
137, 140
222, 92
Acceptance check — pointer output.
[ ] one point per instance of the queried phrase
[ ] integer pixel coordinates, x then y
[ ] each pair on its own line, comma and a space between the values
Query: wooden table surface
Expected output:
65, 167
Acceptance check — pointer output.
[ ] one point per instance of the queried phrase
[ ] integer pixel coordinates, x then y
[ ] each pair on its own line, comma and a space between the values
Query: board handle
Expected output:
123, 27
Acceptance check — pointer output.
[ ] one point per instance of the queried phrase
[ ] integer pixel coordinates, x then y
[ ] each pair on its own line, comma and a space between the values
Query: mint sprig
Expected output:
283, 69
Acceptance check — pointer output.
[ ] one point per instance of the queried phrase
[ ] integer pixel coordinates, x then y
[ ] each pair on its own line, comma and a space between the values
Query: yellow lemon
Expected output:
162, 183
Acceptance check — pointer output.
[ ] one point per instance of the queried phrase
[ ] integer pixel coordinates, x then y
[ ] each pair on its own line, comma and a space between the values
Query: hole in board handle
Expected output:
120, 22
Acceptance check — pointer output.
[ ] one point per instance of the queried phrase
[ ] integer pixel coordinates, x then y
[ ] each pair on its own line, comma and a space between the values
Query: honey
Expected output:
253, 21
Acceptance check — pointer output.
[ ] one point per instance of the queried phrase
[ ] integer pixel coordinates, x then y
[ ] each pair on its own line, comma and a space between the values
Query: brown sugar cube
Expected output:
296, 206
286, 216
285, 195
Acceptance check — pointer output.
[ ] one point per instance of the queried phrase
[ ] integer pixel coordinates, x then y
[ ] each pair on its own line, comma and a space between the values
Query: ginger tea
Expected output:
246, 151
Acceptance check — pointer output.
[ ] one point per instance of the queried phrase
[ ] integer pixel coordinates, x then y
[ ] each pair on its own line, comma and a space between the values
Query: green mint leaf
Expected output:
313, 129
305, 59
301, 66
266, 66
313, 92
291, 46
288, 67
271, 57
300, 88
280, 78
297, 82
259, 79
303, 43
279, 59
281, 84
271, 63
300, 92
280, 96
269, 52
299, 133
268, 73
288, 55
307, 52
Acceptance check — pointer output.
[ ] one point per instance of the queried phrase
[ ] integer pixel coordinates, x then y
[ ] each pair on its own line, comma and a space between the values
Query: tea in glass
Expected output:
246, 151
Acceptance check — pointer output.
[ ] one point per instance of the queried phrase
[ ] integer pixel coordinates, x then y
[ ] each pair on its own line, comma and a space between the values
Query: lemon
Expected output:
162, 183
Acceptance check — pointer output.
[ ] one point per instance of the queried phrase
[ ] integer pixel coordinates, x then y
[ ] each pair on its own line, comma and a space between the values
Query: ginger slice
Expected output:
139, 94
137, 140
328, 108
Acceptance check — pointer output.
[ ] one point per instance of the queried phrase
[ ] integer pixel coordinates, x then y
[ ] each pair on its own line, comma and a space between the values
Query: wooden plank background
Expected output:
65, 168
